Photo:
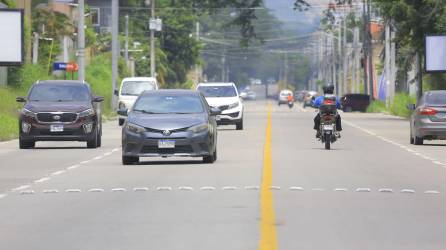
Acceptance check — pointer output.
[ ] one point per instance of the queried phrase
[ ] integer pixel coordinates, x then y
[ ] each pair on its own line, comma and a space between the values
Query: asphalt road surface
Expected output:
273, 187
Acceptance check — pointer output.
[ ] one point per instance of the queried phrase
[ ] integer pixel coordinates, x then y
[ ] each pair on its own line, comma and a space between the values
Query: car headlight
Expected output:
135, 128
122, 105
85, 113
199, 128
234, 105
29, 113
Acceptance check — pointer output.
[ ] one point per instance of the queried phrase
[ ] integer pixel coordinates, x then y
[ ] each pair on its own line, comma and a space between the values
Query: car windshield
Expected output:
218, 91
436, 98
136, 87
169, 104
59, 93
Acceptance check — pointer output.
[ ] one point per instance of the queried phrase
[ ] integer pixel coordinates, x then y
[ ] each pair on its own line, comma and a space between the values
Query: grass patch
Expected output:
398, 107
99, 76
377, 107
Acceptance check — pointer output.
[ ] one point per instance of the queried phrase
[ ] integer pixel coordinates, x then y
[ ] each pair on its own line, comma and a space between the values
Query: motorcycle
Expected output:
328, 113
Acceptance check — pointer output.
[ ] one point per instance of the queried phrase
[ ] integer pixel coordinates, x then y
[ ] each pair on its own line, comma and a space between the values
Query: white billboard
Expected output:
435, 60
11, 33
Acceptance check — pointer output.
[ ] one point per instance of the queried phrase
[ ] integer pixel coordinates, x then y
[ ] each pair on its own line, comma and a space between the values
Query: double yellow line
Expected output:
268, 235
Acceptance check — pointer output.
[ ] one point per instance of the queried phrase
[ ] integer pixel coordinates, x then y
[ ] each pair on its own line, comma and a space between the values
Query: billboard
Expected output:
435, 57
11, 33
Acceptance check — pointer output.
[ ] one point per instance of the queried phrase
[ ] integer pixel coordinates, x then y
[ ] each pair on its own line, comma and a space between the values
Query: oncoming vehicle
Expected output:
225, 97
60, 111
169, 123
130, 89
428, 120
309, 98
283, 96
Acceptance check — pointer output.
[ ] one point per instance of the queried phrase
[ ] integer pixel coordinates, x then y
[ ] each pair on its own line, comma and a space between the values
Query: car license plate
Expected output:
218, 118
166, 144
328, 127
56, 128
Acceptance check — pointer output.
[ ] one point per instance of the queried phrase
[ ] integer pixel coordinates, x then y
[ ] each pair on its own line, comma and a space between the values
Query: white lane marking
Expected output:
3, 196
73, 167
27, 192
385, 190
252, 187
73, 190
186, 188
207, 188
229, 188
410, 150
116, 150
340, 190
50, 191
119, 190
431, 192
274, 188
409, 191
139, 189
438, 163
98, 157
107, 154
318, 189
58, 172
297, 188
164, 189
363, 190
94, 190
21, 188
85, 162
42, 180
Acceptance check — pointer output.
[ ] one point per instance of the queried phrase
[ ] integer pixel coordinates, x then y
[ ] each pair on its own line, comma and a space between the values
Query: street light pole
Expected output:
81, 41
152, 42
115, 51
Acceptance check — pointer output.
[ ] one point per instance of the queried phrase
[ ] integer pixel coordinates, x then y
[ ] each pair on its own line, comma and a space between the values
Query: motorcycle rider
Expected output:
328, 91
290, 98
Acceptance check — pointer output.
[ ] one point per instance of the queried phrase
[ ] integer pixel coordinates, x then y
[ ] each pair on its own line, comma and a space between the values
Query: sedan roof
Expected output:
176, 92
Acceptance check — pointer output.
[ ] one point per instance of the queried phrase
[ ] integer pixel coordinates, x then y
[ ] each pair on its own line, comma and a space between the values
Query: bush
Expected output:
99, 76
23, 77
377, 107
399, 105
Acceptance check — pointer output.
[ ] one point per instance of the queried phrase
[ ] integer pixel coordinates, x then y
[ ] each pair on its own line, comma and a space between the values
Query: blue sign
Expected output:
60, 66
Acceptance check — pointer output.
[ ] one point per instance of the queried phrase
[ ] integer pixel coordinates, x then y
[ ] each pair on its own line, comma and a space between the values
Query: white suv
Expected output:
225, 97
130, 89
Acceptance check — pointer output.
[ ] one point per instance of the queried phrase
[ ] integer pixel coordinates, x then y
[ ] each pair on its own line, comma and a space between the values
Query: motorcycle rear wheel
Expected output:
327, 141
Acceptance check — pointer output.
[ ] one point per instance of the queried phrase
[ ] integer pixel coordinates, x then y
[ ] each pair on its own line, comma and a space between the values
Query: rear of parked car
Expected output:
355, 102
428, 120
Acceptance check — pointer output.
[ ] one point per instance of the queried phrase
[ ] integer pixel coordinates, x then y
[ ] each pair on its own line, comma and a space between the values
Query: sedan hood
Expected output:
58, 106
166, 121
220, 101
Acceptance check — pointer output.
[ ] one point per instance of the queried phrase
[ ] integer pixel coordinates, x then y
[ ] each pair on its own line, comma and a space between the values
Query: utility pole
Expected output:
197, 67
340, 87
81, 40
152, 42
365, 47
370, 45
35, 48
285, 64
345, 54
387, 65
333, 70
126, 52
223, 66
355, 87
392, 64
115, 51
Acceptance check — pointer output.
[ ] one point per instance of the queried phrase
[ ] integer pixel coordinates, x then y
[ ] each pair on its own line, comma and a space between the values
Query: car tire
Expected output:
239, 125
26, 144
210, 158
418, 140
93, 143
99, 140
129, 160
121, 122
412, 141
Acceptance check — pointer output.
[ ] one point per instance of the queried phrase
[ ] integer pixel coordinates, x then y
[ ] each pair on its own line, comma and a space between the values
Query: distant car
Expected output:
355, 102
130, 89
300, 95
428, 119
60, 111
248, 95
169, 123
225, 97
283, 96
309, 98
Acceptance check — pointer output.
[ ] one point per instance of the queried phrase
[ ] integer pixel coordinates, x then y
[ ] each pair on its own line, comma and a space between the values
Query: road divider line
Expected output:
3, 196
21, 188
42, 180
268, 234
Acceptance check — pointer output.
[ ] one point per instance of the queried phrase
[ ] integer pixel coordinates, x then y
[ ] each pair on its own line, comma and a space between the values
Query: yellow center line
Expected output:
268, 236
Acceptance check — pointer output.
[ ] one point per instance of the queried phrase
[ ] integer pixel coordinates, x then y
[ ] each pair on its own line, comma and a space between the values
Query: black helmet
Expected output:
328, 89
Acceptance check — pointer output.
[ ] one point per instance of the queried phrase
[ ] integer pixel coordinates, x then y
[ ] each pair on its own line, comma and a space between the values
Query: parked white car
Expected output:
130, 89
225, 97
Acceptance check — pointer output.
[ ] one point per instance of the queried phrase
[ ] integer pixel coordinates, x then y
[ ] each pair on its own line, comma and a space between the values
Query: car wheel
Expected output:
26, 144
93, 143
210, 158
418, 141
128, 160
99, 140
239, 125
121, 122
412, 141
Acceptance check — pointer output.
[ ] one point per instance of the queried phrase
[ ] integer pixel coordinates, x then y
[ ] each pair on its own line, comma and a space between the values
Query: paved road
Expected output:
372, 191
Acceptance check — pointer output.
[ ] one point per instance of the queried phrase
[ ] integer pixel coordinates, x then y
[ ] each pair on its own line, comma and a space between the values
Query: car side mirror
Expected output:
98, 99
123, 112
411, 106
215, 111
20, 99
116, 92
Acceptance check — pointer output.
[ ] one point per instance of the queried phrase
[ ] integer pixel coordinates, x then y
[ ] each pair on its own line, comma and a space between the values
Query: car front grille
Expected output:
48, 117
223, 107
234, 115
180, 149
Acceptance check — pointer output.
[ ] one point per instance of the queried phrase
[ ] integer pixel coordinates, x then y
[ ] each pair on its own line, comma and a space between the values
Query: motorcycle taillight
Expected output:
329, 102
